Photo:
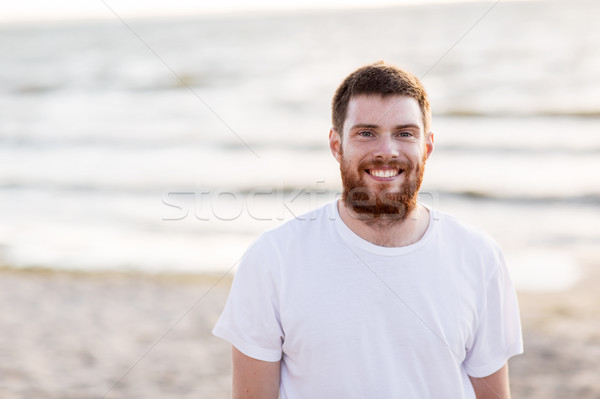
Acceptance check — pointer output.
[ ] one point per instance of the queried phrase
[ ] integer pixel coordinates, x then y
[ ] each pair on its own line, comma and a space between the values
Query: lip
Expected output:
384, 179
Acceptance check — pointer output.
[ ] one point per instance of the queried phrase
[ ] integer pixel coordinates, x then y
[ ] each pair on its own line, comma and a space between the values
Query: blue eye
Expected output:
365, 133
405, 134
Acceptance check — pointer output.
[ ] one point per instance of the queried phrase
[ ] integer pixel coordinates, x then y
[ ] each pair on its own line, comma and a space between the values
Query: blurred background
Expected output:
164, 139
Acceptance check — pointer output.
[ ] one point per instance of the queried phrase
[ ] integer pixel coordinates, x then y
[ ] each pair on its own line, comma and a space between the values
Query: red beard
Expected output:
388, 202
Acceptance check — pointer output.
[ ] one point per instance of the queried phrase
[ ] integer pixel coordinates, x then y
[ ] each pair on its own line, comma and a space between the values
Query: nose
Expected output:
386, 147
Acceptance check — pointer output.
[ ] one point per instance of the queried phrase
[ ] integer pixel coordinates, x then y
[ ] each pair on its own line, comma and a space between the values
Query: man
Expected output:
374, 295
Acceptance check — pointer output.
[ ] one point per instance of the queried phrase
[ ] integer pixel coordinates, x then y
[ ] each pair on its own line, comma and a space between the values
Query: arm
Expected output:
494, 386
254, 379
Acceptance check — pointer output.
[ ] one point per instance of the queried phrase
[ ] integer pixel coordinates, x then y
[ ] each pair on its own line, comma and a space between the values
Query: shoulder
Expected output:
460, 231
303, 230
471, 244
303, 225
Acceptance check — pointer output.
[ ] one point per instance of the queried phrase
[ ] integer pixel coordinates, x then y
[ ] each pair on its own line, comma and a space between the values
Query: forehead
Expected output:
392, 110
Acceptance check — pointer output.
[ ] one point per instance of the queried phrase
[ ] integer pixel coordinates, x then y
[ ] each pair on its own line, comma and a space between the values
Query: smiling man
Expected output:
374, 295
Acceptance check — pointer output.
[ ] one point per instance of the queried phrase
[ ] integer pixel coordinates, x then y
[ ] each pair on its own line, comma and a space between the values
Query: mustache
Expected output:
396, 164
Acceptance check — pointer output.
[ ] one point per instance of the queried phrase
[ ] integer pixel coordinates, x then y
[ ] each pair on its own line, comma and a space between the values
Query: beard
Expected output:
387, 202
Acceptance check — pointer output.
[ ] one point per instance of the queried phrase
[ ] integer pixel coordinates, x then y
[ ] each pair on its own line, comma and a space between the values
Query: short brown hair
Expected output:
383, 79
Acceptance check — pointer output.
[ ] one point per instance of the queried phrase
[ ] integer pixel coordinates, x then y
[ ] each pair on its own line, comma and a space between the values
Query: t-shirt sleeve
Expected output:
498, 335
250, 320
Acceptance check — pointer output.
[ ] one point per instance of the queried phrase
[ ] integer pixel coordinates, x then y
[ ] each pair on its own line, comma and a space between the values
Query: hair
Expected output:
383, 79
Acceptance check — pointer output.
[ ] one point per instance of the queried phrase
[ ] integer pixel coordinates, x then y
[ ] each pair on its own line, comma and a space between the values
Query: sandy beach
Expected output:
70, 335
118, 335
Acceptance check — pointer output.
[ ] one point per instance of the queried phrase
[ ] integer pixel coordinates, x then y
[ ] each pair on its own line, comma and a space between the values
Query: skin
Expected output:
375, 127
254, 379
385, 128
494, 386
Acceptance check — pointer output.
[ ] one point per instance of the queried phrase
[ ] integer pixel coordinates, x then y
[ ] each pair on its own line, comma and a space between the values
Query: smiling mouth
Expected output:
384, 173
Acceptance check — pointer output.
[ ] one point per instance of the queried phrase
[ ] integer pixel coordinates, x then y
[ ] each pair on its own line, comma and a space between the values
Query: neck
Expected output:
387, 232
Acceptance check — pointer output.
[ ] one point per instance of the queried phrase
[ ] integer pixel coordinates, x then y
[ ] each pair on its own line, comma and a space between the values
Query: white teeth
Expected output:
384, 173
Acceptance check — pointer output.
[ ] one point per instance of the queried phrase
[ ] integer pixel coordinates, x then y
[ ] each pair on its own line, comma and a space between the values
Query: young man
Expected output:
375, 295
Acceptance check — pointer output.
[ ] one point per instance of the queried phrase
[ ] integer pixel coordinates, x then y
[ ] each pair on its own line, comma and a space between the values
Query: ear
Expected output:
429, 143
335, 142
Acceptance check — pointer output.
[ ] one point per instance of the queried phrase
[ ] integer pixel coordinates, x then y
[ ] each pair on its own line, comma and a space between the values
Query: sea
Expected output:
167, 145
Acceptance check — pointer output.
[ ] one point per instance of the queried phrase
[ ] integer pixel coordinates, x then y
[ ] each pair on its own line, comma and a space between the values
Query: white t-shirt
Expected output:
350, 319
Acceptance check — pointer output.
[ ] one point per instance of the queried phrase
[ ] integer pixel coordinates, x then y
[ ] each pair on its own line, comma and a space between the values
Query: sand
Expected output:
118, 335
68, 335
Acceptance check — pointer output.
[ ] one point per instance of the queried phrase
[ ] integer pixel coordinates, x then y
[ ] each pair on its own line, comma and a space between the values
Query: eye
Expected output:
365, 133
405, 134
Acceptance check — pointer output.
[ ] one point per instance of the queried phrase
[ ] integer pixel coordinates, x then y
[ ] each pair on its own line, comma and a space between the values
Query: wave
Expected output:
499, 150
215, 81
291, 192
36, 143
592, 199
476, 113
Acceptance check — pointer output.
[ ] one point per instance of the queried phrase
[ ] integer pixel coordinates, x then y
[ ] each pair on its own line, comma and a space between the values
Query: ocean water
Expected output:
170, 144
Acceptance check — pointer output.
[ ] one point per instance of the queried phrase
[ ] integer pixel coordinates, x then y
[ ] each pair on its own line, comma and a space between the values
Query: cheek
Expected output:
417, 152
354, 152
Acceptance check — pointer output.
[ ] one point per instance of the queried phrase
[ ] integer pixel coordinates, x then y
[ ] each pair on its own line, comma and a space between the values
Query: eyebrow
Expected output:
372, 126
